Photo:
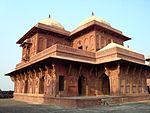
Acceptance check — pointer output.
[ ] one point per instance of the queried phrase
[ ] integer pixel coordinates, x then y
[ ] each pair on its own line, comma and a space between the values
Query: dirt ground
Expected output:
13, 106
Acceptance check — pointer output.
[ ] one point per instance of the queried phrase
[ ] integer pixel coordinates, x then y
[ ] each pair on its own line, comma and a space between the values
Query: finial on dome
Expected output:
92, 13
49, 16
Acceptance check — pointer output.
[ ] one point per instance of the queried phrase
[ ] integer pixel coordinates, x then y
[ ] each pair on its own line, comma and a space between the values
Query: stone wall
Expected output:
133, 79
47, 40
114, 78
86, 42
103, 39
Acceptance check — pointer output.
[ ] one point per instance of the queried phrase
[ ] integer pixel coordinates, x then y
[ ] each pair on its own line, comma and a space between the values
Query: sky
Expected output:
17, 17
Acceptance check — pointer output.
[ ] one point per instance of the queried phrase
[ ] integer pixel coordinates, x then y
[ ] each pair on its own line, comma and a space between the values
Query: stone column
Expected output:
87, 90
33, 81
30, 82
114, 78
115, 85
15, 84
144, 84
36, 82
47, 80
54, 80
22, 83
138, 73
96, 81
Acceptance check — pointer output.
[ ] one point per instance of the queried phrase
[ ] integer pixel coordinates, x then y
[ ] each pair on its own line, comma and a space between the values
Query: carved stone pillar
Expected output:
33, 81
15, 84
22, 83
54, 80
36, 82
144, 84
30, 82
18, 84
114, 78
87, 90
48, 80
50, 85
127, 79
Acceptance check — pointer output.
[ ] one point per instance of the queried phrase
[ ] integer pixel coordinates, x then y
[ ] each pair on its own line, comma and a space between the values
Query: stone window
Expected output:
61, 83
42, 44
80, 47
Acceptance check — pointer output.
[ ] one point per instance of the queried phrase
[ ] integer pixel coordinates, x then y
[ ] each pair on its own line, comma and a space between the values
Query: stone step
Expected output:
108, 102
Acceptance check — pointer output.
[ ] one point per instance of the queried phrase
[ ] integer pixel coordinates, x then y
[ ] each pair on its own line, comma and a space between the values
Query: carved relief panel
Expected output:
47, 40
26, 52
85, 42
42, 43
33, 47
103, 39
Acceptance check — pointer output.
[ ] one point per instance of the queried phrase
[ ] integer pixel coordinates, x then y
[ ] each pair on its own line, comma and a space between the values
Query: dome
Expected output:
91, 18
51, 22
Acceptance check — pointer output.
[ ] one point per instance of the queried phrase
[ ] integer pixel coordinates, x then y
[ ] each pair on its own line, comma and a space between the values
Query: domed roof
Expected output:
51, 22
91, 18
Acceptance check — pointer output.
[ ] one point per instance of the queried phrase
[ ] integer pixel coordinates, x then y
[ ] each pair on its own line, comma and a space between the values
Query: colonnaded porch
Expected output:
76, 84
67, 79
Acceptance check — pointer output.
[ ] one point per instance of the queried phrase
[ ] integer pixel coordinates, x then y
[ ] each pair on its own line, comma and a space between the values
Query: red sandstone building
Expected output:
88, 61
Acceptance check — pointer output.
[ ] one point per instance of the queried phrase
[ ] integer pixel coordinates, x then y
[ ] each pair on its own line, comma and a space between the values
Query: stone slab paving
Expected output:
13, 106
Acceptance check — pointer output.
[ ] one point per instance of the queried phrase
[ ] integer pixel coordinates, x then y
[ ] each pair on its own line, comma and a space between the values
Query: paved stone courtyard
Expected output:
12, 106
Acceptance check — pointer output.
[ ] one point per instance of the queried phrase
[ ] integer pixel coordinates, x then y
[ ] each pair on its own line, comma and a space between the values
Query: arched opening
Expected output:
41, 86
81, 85
105, 85
80, 47
148, 89
26, 86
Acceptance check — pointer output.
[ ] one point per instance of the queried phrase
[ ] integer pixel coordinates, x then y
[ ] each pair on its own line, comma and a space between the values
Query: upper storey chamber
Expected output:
44, 34
94, 33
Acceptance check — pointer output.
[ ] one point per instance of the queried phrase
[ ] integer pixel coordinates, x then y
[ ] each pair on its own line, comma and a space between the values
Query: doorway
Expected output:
41, 86
80, 47
105, 85
26, 86
81, 85
148, 89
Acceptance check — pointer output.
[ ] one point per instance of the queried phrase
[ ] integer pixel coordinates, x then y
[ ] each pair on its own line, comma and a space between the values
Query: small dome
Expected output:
51, 22
91, 18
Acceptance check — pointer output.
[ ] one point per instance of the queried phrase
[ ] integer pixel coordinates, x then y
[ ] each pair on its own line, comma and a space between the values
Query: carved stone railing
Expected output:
73, 54
117, 53
62, 52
